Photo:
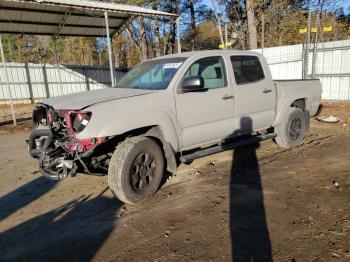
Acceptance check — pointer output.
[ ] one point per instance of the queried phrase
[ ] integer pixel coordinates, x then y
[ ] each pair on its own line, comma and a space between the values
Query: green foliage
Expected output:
6, 40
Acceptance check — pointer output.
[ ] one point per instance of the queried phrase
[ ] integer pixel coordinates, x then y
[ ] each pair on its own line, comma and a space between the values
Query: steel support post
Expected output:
7, 82
110, 52
178, 35
226, 36
57, 66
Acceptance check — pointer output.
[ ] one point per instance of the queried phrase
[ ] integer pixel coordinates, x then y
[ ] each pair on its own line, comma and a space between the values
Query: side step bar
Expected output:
216, 149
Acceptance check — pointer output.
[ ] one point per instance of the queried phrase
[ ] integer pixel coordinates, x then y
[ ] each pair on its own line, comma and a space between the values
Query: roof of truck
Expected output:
208, 53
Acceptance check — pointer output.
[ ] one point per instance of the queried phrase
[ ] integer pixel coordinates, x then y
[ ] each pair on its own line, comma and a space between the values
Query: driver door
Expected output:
206, 116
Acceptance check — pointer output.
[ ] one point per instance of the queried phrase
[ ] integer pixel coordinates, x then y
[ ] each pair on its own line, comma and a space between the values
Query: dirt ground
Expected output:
260, 203
22, 111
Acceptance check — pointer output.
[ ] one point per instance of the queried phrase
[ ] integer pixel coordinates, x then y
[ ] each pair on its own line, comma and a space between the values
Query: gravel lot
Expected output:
260, 203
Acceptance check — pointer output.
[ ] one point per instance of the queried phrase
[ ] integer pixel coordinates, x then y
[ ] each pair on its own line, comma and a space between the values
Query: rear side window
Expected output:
247, 69
212, 69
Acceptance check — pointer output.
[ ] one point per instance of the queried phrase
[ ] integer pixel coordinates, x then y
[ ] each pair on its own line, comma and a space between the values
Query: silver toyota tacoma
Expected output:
169, 110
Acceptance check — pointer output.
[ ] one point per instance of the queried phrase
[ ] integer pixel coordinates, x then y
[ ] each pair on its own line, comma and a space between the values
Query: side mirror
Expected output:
193, 84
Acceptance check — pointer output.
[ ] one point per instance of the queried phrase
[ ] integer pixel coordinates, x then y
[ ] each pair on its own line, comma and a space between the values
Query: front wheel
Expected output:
293, 129
136, 169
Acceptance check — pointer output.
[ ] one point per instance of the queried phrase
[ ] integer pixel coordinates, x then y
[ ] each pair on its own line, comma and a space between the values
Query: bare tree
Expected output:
156, 31
219, 21
193, 23
143, 41
170, 36
129, 30
253, 44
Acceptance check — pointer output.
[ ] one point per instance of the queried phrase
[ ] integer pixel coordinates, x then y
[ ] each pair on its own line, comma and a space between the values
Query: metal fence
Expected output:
32, 82
330, 62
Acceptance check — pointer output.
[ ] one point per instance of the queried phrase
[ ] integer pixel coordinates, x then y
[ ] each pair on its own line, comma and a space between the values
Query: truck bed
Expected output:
290, 90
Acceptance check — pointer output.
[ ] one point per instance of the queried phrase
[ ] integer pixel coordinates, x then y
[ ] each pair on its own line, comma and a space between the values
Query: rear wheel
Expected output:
136, 169
293, 129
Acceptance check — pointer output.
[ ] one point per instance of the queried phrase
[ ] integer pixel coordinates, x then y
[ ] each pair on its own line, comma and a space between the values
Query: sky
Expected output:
346, 6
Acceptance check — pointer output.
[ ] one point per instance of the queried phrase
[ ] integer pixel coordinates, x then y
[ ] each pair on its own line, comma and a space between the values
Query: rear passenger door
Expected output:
254, 93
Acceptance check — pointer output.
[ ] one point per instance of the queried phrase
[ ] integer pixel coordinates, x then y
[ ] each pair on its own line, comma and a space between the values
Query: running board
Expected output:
216, 149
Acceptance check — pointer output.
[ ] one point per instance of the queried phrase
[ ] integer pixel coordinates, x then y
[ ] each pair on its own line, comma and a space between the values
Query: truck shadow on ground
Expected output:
250, 239
77, 230
24, 195
72, 232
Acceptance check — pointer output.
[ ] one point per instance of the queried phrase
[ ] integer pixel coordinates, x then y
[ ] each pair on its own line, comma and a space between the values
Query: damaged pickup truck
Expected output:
168, 110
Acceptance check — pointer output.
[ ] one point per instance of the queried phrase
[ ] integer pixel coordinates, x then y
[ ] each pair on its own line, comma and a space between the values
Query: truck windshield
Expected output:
152, 75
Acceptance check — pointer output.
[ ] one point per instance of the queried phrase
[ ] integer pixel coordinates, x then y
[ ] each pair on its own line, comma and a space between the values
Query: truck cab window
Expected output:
247, 69
212, 69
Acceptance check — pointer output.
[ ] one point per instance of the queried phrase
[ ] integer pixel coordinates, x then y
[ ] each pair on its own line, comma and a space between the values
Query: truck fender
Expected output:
133, 122
282, 111
171, 164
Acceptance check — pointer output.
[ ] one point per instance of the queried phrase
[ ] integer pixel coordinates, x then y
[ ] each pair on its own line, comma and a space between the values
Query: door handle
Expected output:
227, 97
267, 91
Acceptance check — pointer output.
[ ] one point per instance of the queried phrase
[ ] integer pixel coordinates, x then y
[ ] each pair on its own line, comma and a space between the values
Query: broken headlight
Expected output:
40, 115
80, 120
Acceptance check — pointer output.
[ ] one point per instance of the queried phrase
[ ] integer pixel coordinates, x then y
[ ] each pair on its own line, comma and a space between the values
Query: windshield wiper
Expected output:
137, 87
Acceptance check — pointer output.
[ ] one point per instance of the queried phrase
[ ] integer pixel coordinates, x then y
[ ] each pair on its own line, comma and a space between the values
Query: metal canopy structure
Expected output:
68, 17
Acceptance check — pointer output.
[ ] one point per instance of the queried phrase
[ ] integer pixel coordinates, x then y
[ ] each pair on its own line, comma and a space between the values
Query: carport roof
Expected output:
68, 17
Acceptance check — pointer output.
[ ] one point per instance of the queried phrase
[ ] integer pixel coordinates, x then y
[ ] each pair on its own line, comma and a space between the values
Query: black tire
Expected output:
136, 169
293, 129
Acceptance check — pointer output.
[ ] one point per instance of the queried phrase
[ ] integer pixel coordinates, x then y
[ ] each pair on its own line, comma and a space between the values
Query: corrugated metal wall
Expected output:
332, 66
286, 62
30, 82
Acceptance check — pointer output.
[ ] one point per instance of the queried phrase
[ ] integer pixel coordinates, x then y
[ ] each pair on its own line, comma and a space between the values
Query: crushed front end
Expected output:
54, 142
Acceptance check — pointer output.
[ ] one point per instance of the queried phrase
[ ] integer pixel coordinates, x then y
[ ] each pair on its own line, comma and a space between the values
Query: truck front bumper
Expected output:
54, 163
61, 158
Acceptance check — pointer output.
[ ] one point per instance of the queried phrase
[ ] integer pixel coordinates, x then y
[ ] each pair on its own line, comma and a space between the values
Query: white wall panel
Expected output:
73, 79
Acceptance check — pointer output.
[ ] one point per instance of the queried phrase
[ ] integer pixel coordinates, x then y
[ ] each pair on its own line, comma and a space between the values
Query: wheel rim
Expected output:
142, 171
295, 129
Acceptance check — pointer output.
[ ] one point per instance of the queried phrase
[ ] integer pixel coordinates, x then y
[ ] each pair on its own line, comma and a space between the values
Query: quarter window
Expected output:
212, 69
247, 69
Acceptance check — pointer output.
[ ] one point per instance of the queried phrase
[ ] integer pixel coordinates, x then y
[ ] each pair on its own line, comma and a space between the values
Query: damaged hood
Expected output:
82, 100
